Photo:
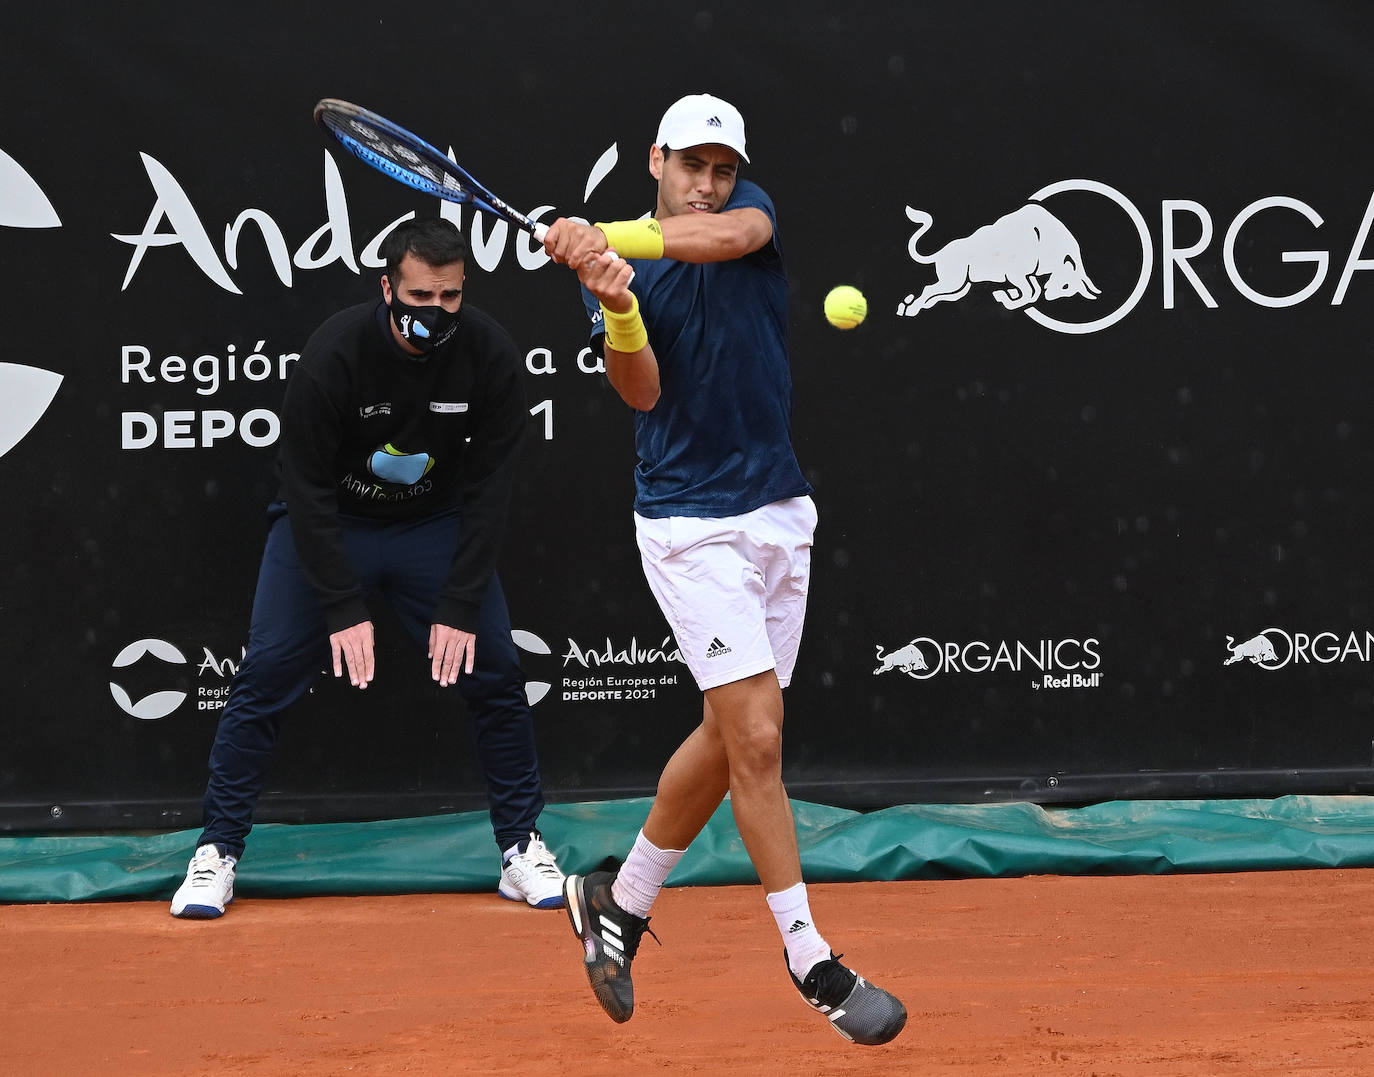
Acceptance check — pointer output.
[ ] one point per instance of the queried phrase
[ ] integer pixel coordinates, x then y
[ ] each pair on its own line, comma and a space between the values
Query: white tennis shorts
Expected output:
733, 588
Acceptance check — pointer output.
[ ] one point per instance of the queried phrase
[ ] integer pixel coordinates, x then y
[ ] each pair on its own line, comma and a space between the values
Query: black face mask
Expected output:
423, 328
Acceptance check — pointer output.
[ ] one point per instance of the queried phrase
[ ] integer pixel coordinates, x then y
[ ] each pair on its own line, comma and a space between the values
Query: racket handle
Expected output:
539, 231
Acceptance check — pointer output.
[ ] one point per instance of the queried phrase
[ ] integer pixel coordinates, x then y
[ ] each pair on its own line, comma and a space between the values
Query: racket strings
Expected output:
410, 160
391, 155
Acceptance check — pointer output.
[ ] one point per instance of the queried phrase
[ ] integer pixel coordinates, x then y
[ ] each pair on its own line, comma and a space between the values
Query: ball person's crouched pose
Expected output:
399, 433
694, 319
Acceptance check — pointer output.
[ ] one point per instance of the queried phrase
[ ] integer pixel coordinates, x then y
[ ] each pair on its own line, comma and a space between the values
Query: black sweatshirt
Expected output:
370, 432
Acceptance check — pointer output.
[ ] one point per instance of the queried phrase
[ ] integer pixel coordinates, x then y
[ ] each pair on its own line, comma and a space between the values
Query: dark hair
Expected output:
432, 240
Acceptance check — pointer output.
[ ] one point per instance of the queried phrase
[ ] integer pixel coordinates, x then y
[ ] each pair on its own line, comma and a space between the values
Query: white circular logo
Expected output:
156, 704
528, 641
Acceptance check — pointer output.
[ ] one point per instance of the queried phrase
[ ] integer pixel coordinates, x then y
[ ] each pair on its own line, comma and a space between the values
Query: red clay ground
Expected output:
1266, 973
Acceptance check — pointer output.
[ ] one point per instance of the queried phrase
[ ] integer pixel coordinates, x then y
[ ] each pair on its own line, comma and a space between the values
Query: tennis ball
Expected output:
845, 307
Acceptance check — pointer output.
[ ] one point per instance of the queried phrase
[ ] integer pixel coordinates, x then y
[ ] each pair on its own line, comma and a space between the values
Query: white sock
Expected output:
805, 947
643, 875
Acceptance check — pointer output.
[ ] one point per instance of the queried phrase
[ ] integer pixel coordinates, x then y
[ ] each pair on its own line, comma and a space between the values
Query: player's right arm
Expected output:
715, 237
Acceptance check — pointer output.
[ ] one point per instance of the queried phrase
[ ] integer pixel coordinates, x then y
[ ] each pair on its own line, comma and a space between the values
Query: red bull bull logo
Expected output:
908, 659
1029, 253
1256, 649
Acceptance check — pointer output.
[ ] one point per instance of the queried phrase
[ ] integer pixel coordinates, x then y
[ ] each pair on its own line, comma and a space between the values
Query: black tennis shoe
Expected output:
858, 1011
610, 936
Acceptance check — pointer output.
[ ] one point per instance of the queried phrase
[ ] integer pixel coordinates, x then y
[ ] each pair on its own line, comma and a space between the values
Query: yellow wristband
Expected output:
625, 332
634, 239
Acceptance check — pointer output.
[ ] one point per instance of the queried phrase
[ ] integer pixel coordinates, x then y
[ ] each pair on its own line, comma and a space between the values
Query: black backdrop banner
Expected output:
1093, 477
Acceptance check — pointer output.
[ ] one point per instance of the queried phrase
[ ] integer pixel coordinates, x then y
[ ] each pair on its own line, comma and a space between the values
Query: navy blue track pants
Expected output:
288, 645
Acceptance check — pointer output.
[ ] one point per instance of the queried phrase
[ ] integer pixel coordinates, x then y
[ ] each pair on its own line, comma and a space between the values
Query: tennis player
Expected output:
399, 435
693, 320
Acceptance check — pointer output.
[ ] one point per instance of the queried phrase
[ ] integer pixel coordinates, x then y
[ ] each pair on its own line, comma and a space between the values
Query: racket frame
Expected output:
335, 117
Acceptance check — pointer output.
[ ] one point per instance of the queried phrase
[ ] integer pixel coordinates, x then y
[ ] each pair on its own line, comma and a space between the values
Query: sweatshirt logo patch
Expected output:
446, 409
390, 464
373, 411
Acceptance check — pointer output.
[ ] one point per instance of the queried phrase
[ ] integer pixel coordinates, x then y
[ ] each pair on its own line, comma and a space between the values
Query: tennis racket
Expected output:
409, 159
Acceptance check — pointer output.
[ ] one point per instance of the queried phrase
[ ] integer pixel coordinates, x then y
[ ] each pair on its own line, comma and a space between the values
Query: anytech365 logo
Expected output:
1275, 648
1061, 663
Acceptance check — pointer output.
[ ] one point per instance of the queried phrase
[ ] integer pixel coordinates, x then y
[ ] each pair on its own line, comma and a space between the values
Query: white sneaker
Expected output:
208, 888
533, 877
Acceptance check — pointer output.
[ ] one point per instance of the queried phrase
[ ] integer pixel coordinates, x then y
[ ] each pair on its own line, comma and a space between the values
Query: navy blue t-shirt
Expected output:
718, 442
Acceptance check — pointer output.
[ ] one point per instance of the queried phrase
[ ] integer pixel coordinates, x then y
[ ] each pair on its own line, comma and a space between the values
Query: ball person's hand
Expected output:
353, 647
450, 650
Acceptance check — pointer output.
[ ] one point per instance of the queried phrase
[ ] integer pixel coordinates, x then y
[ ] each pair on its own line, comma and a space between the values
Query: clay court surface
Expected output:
1257, 973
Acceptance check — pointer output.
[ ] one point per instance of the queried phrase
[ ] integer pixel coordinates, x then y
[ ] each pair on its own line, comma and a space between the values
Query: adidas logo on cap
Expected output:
714, 121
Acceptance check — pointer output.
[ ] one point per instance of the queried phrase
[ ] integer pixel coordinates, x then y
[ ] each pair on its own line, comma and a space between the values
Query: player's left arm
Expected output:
631, 365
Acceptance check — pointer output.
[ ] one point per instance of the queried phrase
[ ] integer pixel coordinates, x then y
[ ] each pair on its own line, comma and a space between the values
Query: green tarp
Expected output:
456, 853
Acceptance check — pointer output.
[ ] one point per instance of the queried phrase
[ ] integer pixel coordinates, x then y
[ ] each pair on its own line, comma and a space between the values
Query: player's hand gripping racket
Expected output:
392, 149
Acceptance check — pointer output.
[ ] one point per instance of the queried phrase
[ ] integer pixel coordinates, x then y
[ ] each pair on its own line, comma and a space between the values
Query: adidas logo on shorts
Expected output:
715, 648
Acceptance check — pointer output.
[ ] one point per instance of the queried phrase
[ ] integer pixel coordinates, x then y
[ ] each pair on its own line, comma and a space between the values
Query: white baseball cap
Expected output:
700, 119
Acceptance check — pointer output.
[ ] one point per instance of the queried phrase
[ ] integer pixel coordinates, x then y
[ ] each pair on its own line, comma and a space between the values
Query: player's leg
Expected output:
777, 544
858, 1010
610, 911
691, 787
695, 576
287, 646
712, 586
419, 555
749, 714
